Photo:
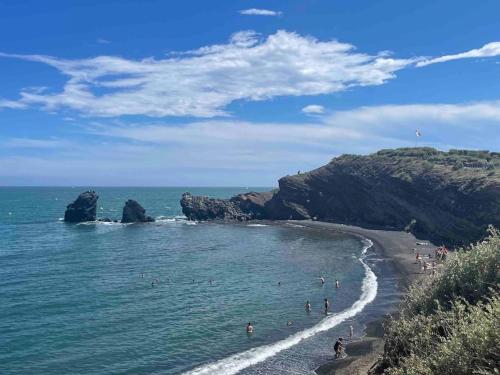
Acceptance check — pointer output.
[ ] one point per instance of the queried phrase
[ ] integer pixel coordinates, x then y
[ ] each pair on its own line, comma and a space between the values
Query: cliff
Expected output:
447, 197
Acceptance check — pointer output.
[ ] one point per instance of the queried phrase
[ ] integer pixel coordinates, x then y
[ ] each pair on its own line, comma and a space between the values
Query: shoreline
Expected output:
396, 247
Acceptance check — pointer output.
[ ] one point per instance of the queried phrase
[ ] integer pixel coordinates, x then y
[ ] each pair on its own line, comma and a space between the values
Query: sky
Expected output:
237, 93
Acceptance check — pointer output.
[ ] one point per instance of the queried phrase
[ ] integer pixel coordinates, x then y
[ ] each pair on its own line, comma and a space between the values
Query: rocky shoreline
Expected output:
448, 197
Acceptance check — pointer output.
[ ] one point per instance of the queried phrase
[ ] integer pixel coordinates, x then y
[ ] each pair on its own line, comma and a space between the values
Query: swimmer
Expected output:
142, 275
249, 328
327, 306
308, 306
322, 279
152, 283
279, 283
337, 284
289, 323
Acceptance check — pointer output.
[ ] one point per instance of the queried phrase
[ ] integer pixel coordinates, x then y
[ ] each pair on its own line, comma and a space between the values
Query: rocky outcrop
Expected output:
83, 208
133, 212
447, 197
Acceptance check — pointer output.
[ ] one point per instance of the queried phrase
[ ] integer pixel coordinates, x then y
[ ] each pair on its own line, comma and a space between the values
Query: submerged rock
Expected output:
82, 209
133, 212
448, 197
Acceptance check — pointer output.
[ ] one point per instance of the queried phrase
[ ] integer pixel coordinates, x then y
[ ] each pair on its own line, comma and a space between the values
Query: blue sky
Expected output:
239, 93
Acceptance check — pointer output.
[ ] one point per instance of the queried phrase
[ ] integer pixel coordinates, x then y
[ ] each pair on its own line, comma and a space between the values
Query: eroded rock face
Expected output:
205, 208
83, 208
133, 212
448, 197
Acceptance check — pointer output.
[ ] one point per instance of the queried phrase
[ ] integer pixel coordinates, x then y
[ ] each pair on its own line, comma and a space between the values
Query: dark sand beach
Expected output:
396, 246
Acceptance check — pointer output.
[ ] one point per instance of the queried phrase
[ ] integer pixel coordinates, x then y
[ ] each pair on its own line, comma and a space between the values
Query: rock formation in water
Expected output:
448, 197
83, 208
134, 213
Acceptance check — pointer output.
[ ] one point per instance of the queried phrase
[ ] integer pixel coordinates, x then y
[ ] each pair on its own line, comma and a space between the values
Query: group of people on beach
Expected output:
440, 253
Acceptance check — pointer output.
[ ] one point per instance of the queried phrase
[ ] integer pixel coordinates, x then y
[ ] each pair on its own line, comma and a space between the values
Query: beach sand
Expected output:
396, 246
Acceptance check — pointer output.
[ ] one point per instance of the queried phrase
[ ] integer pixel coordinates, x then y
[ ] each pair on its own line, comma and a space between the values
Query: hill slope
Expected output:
448, 197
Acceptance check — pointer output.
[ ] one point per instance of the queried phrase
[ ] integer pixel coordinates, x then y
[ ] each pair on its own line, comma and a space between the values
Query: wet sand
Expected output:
396, 246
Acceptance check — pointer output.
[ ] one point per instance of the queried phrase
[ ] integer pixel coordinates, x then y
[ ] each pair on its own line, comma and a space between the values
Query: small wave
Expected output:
164, 219
256, 225
102, 223
191, 223
295, 225
60, 219
237, 362
170, 219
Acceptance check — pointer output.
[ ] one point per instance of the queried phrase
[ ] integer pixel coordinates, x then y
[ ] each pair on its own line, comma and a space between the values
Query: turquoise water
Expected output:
78, 298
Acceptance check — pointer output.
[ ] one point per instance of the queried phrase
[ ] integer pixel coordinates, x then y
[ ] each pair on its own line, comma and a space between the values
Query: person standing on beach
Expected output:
327, 306
339, 348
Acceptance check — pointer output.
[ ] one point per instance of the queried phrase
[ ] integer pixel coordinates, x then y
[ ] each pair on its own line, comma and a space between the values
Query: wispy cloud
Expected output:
260, 12
203, 82
238, 152
34, 143
488, 50
103, 41
313, 109
11, 104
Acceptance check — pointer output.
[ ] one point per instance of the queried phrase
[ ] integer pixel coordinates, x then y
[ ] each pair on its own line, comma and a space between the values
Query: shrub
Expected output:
448, 324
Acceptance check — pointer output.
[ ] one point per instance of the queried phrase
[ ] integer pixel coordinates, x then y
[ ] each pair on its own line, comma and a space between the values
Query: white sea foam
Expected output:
237, 362
295, 225
256, 225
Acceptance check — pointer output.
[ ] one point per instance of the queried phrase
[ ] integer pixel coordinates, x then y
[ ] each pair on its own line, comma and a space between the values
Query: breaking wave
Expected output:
237, 362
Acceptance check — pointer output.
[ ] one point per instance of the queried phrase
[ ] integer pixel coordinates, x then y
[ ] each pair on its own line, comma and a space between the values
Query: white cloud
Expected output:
103, 41
226, 152
387, 116
11, 104
488, 50
34, 143
260, 12
203, 82
314, 109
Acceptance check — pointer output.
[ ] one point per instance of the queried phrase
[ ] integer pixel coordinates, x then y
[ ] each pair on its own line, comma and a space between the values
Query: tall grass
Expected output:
450, 323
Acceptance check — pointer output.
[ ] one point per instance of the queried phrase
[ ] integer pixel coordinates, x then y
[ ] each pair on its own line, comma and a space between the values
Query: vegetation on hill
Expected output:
450, 323
447, 197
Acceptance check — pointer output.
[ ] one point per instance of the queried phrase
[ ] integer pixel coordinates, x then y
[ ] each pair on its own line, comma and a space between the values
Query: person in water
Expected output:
337, 284
249, 328
327, 305
289, 323
322, 279
308, 306
351, 332
339, 347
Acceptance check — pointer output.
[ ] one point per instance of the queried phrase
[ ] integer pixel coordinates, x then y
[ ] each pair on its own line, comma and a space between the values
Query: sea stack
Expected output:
83, 208
133, 212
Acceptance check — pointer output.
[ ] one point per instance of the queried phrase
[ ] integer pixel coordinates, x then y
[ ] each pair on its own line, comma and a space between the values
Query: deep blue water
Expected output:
78, 299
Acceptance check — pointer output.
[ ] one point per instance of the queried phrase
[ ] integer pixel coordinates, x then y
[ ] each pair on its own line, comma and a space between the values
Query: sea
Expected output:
175, 296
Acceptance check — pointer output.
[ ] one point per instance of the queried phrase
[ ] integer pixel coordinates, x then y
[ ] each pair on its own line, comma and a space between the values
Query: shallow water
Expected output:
78, 298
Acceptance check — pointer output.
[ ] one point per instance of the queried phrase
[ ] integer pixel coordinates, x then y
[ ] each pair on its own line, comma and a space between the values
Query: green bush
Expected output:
450, 323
